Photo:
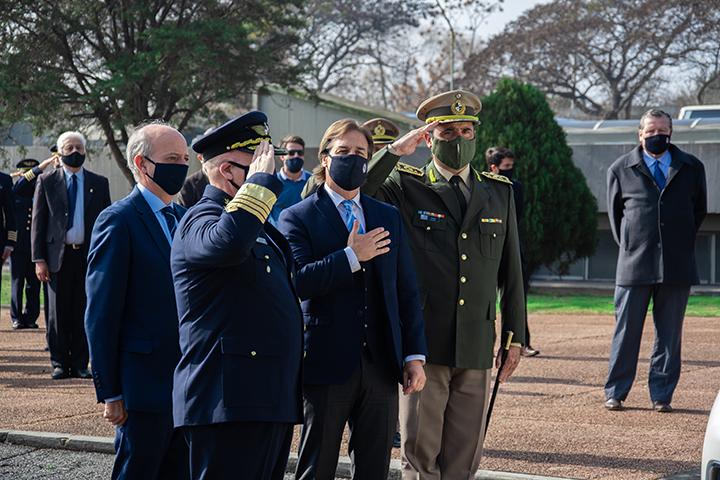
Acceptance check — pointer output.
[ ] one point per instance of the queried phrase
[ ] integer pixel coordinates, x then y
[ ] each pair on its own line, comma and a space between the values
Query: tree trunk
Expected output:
117, 154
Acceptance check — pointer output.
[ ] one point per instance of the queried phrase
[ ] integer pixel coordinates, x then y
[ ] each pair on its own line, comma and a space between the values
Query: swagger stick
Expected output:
503, 357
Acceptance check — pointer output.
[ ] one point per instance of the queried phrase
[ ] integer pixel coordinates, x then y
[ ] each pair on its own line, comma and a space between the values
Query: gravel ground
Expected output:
548, 419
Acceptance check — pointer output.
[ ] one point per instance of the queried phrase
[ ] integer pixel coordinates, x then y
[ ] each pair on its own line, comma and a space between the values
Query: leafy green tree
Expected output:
112, 64
560, 221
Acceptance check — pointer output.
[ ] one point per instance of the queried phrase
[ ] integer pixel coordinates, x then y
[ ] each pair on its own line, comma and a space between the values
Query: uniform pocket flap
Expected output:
137, 345
247, 347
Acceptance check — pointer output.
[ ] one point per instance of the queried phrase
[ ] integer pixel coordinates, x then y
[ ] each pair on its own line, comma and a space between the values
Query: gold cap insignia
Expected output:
458, 107
379, 130
261, 129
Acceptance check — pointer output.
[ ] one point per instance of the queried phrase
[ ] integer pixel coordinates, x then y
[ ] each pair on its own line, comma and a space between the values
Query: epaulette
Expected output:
405, 168
495, 176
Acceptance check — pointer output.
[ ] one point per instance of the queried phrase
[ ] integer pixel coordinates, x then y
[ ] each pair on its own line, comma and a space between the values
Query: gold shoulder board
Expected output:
494, 176
405, 168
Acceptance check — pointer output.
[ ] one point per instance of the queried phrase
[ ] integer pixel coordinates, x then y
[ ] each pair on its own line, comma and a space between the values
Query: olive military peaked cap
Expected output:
452, 106
383, 131
243, 133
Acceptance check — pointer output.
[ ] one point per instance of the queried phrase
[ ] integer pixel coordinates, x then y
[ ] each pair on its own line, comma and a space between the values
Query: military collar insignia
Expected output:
496, 177
405, 168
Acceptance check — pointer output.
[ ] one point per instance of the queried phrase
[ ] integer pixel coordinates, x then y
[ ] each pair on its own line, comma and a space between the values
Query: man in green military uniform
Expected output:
465, 243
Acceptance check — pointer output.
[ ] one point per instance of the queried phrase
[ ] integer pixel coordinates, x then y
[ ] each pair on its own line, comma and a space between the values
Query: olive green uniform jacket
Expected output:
461, 262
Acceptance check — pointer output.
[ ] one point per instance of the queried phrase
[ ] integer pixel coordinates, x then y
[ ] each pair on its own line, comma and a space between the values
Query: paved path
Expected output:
548, 420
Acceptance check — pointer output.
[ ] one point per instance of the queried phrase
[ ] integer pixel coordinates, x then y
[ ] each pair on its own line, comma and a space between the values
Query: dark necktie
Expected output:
455, 182
171, 220
658, 175
72, 200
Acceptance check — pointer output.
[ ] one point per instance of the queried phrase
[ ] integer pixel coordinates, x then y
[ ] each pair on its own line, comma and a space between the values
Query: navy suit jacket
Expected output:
131, 318
240, 320
317, 236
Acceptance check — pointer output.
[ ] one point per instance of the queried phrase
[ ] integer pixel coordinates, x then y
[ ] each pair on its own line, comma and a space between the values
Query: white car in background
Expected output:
710, 469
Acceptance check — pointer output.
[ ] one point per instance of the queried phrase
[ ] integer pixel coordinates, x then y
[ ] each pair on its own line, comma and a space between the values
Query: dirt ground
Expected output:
548, 420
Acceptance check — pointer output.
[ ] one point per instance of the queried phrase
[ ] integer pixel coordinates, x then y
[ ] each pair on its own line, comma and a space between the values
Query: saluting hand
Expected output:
368, 245
511, 363
115, 413
263, 159
407, 144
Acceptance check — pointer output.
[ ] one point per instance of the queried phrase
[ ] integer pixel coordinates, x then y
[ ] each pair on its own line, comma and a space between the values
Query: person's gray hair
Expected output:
69, 134
655, 113
139, 144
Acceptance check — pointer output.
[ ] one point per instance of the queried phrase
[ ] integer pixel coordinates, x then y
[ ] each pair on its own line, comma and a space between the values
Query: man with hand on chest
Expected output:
364, 328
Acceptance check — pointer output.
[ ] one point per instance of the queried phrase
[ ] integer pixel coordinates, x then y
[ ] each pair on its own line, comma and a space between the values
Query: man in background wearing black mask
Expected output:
364, 327
657, 200
501, 161
292, 175
66, 203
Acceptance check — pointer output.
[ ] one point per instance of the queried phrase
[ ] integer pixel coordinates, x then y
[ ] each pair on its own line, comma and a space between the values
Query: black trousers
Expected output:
368, 402
66, 295
234, 450
24, 280
148, 447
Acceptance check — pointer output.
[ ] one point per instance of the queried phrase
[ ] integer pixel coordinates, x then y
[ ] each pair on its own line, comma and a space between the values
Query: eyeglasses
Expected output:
295, 152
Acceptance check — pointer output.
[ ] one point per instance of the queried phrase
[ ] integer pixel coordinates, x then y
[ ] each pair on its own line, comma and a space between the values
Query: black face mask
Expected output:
507, 173
168, 176
657, 144
245, 168
294, 164
74, 160
348, 171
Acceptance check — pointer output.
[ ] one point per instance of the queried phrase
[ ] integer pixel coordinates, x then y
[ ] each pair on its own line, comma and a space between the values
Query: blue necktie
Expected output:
171, 220
658, 175
350, 216
72, 200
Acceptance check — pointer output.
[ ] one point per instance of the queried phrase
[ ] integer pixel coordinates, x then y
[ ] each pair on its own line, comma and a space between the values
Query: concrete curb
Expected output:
60, 441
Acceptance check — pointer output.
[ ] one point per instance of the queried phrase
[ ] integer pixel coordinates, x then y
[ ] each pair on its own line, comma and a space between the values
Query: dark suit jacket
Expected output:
50, 210
193, 189
240, 320
656, 230
131, 317
317, 236
8, 230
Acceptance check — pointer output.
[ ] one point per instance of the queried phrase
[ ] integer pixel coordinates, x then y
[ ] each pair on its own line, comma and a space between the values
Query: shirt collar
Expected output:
664, 159
464, 174
152, 200
79, 174
338, 199
285, 178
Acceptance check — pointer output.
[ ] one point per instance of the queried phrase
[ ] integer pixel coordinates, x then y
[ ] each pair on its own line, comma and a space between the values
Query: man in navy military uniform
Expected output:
131, 317
22, 269
8, 232
236, 390
365, 330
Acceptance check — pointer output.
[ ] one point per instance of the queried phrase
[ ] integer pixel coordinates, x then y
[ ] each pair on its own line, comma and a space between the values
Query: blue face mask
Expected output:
168, 176
294, 164
348, 171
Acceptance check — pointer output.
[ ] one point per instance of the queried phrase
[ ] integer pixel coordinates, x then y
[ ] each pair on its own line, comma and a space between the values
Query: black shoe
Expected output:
662, 407
528, 351
396, 440
31, 325
17, 325
81, 373
59, 373
613, 404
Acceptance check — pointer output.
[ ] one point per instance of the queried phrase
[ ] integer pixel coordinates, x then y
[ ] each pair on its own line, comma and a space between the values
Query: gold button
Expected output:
267, 257
463, 256
427, 228
463, 279
304, 328
461, 302
253, 353
363, 269
464, 235
304, 354
494, 235
267, 269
